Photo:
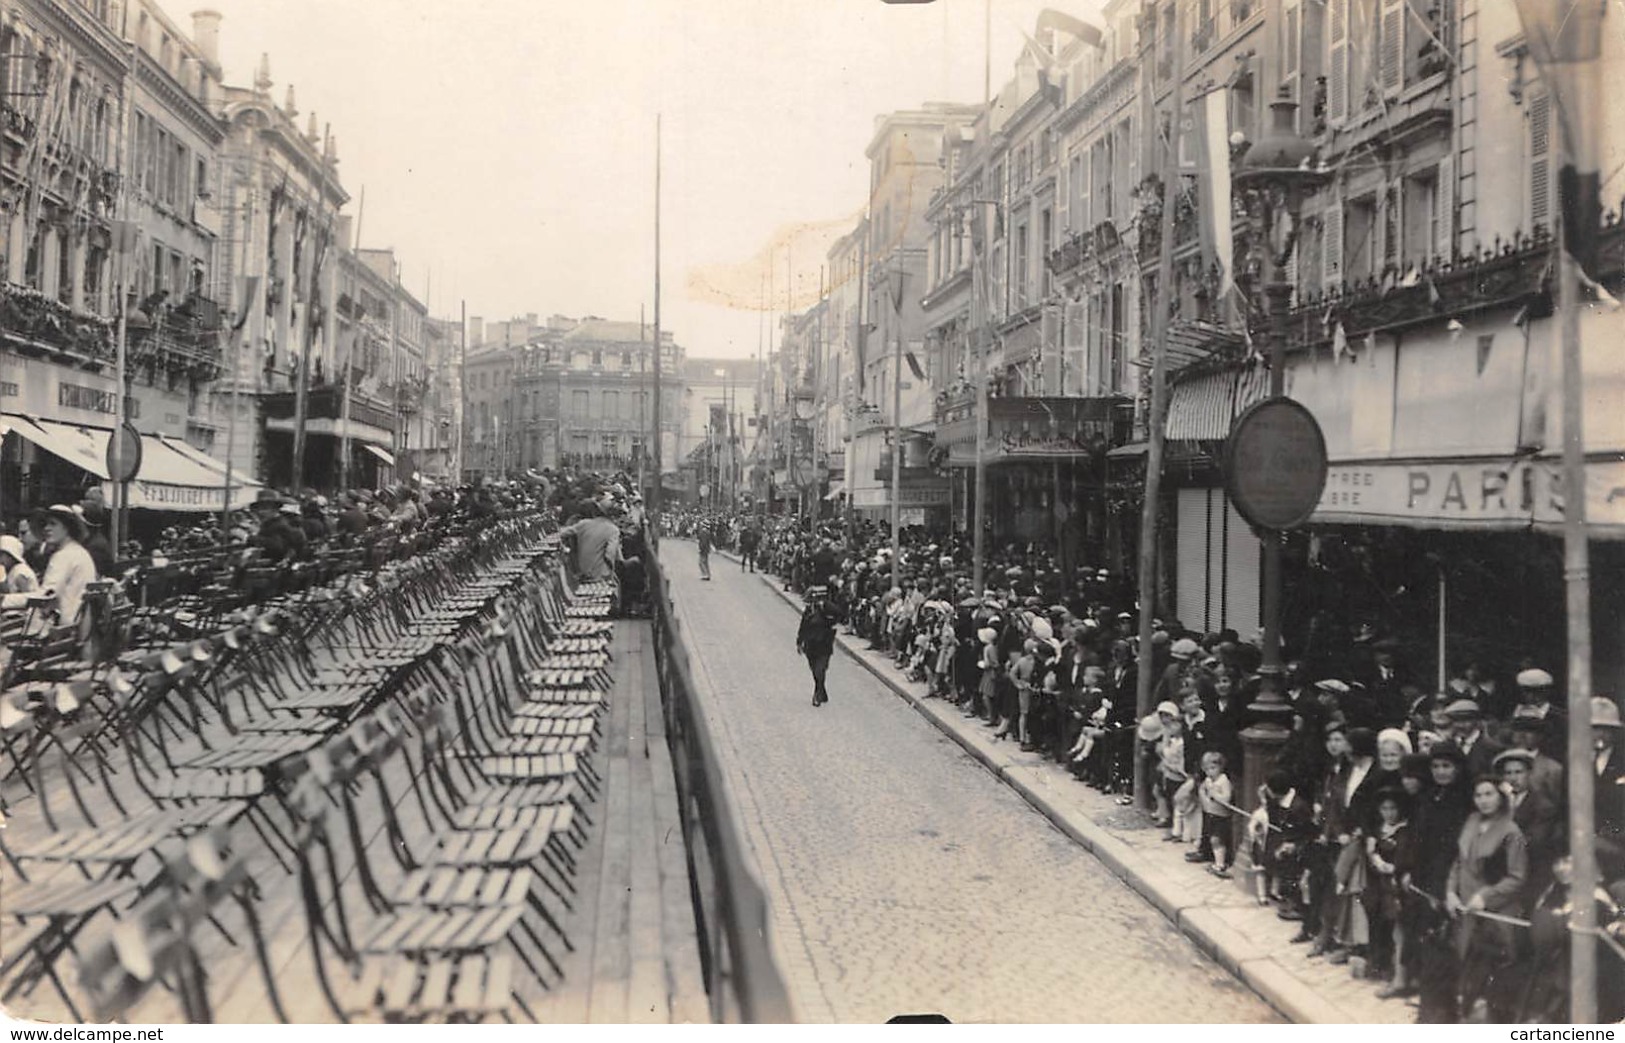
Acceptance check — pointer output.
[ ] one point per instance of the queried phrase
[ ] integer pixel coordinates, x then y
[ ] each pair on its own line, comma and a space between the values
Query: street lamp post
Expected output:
1277, 171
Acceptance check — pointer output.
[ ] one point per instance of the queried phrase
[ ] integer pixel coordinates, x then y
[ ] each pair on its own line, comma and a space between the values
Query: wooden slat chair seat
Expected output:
561, 726
462, 990
154, 944
410, 953
588, 709
531, 746
68, 894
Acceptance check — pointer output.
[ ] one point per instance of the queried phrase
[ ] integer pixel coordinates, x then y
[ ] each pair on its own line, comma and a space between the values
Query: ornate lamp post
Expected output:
1278, 174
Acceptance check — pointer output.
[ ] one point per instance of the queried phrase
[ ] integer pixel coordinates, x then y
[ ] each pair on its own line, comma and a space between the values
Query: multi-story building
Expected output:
835, 393
1421, 334
280, 264
905, 155
1001, 311
446, 341
173, 152
606, 384
578, 392
74, 74
719, 417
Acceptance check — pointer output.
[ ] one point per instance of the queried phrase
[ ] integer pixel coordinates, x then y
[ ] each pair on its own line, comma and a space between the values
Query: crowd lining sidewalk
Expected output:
1219, 916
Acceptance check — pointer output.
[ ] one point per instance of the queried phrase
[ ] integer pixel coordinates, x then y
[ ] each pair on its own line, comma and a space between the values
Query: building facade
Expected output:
106, 178
719, 418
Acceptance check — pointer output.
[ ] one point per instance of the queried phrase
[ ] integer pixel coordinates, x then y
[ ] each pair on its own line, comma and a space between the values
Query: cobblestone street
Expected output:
903, 877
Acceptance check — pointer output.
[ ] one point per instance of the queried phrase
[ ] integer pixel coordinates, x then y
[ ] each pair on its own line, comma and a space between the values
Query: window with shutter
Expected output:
1444, 209
1331, 258
1392, 212
1540, 160
1337, 62
1392, 53
1289, 41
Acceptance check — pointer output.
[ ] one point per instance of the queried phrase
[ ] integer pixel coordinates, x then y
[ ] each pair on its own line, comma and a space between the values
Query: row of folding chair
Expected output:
218, 786
487, 879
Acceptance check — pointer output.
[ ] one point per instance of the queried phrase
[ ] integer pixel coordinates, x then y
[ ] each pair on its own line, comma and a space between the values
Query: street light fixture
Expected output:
1279, 172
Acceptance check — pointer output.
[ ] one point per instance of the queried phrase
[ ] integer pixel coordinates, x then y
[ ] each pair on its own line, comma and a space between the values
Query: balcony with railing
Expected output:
184, 339
33, 323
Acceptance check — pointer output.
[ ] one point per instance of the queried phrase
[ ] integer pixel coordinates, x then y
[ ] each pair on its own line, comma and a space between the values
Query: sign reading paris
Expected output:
1275, 464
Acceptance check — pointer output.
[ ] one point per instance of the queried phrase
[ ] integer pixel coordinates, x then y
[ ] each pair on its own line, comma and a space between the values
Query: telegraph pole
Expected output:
654, 491
1151, 508
462, 390
349, 361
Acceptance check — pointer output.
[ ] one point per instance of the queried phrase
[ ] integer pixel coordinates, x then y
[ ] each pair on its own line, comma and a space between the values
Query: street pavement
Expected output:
903, 878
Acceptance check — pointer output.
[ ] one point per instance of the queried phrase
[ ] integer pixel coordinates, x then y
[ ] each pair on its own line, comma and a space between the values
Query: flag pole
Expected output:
654, 489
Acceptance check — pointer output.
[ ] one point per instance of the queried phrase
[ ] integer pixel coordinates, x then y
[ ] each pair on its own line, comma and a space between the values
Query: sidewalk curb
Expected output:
1267, 976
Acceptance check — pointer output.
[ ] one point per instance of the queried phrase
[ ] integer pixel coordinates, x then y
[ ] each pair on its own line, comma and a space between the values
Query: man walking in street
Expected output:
815, 639
749, 538
703, 535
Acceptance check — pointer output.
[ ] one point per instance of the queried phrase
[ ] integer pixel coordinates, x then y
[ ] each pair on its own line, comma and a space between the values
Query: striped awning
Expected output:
1190, 342
1203, 408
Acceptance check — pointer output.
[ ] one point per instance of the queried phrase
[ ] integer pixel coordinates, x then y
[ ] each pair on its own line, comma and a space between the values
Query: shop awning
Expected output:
83, 447
381, 454
173, 475
836, 488
1203, 408
171, 480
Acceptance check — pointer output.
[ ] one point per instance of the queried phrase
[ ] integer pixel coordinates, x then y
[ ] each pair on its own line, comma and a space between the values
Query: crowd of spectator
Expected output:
1418, 836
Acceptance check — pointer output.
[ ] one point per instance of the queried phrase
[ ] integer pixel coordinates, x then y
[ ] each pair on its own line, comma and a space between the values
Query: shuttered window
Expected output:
1444, 208
1337, 61
1540, 160
1391, 57
1331, 241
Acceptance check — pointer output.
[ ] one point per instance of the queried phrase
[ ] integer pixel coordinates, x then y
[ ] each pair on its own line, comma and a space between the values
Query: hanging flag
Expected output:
1056, 21
1340, 343
914, 365
1484, 345
1433, 292
1212, 126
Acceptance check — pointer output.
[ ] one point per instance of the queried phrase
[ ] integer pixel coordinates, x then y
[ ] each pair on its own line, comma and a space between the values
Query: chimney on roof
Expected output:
206, 34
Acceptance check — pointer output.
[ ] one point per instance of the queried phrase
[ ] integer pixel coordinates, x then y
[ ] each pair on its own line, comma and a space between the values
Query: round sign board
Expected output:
128, 464
1275, 464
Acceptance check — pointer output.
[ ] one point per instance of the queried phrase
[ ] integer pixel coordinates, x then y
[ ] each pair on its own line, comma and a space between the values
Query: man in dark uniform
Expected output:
749, 538
815, 639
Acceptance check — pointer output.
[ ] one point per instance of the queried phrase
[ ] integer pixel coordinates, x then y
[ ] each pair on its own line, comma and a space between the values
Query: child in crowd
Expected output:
1217, 796
1170, 747
1279, 830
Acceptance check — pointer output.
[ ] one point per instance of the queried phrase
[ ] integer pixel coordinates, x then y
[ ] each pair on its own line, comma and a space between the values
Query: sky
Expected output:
507, 148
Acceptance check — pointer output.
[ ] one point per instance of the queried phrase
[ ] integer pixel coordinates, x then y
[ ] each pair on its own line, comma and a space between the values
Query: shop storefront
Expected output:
1046, 467
50, 462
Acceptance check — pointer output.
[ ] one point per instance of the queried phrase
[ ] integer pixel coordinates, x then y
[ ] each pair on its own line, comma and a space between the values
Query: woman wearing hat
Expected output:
70, 568
16, 577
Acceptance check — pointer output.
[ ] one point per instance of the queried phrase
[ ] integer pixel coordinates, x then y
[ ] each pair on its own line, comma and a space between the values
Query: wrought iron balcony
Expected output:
184, 339
31, 322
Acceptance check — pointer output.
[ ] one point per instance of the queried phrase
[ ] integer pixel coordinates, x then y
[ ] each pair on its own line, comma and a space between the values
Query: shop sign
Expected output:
1490, 494
1275, 464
